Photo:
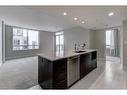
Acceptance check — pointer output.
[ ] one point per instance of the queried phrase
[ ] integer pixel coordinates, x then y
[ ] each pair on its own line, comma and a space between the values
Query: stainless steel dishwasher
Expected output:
73, 70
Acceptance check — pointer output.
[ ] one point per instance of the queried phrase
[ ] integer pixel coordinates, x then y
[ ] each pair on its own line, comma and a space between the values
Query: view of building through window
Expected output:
24, 39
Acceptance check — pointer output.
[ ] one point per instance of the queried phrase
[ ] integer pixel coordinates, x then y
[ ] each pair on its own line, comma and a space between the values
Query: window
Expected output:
59, 43
110, 43
33, 42
108, 38
24, 39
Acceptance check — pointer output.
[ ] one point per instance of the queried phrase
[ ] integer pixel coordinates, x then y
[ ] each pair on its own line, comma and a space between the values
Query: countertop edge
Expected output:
75, 54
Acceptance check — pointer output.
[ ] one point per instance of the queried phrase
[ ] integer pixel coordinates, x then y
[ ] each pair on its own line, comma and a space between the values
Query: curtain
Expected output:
114, 47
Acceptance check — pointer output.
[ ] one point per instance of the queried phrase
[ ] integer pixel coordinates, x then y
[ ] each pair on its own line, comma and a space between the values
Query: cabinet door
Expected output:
94, 64
89, 66
84, 65
94, 55
44, 73
94, 59
60, 74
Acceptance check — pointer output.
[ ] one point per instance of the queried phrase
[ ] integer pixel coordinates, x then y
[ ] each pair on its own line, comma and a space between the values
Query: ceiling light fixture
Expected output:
64, 13
83, 22
75, 18
111, 14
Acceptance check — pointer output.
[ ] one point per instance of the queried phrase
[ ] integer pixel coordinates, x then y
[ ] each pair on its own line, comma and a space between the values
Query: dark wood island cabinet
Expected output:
52, 74
55, 74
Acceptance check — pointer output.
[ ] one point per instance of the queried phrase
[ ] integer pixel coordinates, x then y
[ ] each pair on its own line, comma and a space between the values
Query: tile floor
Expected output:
108, 75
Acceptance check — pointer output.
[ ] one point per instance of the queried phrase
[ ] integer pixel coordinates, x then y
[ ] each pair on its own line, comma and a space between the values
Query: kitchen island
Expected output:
61, 71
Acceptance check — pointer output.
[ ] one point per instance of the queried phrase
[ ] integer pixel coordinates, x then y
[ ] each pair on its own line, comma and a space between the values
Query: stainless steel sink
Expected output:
80, 51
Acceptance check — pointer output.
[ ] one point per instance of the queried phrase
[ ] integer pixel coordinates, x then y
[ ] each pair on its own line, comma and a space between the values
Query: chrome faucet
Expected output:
75, 49
78, 47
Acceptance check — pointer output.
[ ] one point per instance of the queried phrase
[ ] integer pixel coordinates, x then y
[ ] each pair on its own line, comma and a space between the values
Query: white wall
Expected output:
99, 38
75, 35
0, 42
47, 42
92, 37
124, 30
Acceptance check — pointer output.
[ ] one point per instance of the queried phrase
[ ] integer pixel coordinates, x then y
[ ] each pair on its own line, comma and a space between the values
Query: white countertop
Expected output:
52, 55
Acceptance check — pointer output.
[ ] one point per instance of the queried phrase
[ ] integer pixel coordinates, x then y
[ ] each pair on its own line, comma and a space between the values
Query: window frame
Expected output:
27, 39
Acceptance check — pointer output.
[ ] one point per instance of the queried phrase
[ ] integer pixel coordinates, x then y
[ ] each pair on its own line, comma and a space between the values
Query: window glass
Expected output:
24, 39
108, 38
57, 40
61, 40
33, 39
59, 44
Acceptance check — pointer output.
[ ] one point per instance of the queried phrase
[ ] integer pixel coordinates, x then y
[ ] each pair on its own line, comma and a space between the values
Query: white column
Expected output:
0, 43
124, 45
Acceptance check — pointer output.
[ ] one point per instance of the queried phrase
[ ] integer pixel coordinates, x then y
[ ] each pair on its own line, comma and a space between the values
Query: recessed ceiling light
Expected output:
75, 18
64, 13
83, 22
111, 14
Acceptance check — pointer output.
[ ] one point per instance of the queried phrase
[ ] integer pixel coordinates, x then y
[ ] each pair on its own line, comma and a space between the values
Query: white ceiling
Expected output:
95, 17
